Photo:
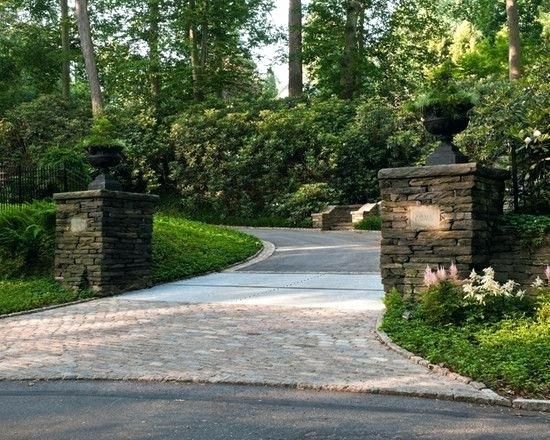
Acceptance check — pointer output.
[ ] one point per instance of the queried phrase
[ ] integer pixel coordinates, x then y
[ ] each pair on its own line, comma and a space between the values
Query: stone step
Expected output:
347, 226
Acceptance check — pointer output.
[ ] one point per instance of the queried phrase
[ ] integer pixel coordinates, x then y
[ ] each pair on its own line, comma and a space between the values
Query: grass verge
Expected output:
510, 356
33, 293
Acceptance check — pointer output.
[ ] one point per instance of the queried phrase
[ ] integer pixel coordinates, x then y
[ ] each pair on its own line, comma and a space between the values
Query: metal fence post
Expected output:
65, 181
20, 184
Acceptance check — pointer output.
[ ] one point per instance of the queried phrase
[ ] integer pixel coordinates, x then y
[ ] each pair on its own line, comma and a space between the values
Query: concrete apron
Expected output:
324, 290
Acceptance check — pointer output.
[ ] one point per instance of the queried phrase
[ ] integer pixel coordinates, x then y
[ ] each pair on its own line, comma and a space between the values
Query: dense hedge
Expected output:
242, 161
234, 159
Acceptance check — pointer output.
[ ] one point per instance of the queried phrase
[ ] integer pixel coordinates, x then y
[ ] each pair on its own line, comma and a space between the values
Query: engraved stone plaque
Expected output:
78, 224
424, 217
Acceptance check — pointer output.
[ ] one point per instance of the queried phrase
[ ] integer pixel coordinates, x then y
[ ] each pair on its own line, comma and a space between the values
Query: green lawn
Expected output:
510, 356
181, 248
32, 293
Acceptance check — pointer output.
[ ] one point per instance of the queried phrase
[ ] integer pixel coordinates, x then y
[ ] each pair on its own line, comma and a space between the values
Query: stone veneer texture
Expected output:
464, 201
103, 240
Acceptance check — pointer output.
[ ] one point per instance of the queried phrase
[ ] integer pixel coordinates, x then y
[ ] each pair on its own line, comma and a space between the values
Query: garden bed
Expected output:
510, 355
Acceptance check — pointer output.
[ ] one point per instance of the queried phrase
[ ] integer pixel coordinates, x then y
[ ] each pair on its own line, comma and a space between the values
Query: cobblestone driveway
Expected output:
117, 339
255, 338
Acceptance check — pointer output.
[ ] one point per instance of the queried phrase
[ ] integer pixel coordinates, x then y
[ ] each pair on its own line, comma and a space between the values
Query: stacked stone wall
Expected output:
517, 258
435, 215
103, 240
334, 217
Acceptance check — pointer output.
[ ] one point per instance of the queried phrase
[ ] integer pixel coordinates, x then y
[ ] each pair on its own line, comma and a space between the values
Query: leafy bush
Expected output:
505, 116
531, 229
370, 223
442, 303
247, 161
27, 239
309, 198
29, 130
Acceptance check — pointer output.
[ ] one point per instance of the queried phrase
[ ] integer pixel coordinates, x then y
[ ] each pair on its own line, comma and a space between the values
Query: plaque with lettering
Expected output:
78, 224
424, 217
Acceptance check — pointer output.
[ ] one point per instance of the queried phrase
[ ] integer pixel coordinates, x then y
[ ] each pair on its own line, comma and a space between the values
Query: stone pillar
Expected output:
434, 215
103, 240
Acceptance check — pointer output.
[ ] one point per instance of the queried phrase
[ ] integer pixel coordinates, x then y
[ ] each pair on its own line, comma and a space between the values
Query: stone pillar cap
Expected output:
443, 170
104, 193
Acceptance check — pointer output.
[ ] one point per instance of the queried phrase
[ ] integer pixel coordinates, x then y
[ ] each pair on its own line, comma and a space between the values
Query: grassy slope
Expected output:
181, 248
510, 356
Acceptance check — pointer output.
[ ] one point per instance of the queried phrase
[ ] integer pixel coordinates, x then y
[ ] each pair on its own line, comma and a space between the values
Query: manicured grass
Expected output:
371, 223
510, 356
33, 293
182, 248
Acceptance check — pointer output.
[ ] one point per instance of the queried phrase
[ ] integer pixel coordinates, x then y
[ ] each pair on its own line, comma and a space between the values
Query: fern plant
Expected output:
27, 239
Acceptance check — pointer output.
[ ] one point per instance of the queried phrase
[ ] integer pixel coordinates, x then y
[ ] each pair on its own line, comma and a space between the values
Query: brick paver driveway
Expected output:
258, 327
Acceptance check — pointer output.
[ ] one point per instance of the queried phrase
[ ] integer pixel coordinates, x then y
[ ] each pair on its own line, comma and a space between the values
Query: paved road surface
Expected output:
314, 251
129, 410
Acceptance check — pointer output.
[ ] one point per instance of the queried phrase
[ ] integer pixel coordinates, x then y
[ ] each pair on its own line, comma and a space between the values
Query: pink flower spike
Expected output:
547, 272
430, 277
453, 271
441, 274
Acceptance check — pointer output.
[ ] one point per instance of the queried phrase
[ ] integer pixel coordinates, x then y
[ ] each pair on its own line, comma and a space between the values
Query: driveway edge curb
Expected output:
263, 254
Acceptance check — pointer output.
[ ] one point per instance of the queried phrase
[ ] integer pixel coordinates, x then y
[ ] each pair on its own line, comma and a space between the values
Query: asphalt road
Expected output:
132, 410
314, 251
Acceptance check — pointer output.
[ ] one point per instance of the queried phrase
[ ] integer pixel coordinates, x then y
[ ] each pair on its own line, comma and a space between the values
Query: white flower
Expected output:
537, 283
536, 133
527, 140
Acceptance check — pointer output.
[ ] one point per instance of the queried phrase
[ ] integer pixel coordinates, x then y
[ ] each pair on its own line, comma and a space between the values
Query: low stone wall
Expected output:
334, 217
103, 240
434, 215
514, 258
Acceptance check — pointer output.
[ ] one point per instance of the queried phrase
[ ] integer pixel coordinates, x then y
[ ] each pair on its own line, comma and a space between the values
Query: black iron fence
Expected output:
21, 184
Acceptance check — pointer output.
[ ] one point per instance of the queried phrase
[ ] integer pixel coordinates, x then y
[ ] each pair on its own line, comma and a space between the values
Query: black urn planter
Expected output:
445, 127
104, 157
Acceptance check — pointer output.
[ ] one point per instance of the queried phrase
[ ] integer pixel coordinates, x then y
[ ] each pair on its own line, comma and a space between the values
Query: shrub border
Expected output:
492, 397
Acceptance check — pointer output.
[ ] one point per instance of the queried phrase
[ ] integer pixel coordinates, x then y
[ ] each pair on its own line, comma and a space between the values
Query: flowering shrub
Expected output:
480, 289
449, 300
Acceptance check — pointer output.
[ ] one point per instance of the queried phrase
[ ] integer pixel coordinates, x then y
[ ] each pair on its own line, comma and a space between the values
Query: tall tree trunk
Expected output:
204, 38
83, 21
65, 51
514, 43
514, 72
154, 54
194, 49
348, 78
295, 74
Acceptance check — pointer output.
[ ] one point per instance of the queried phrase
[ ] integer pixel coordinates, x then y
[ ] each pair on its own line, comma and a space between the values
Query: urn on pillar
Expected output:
104, 152
444, 109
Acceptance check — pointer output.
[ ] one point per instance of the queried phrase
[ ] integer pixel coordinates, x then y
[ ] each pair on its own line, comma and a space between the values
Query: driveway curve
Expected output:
311, 251
263, 325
